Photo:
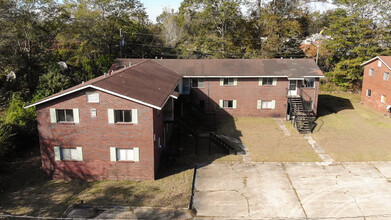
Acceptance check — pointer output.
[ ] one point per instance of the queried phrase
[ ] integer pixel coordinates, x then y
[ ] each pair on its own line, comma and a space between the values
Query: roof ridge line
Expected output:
166, 67
117, 72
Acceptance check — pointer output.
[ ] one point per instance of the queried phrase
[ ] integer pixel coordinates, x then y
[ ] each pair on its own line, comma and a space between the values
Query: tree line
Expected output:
47, 46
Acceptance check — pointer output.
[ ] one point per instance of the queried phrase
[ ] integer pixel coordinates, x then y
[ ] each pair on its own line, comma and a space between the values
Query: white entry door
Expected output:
292, 90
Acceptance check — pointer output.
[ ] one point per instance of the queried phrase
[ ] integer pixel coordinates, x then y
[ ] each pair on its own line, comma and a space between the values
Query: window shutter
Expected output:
274, 81
53, 117
79, 153
134, 116
76, 117
57, 154
110, 113
221, 81
221, 103
233, 103
235, 81
260, 81
113, 155
259, 104
136, 154
273, 104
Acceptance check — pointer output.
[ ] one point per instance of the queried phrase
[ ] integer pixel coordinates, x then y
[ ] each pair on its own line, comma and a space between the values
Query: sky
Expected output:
155, 7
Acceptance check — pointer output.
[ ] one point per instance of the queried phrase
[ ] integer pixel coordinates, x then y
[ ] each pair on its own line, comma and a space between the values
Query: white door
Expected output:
292, 90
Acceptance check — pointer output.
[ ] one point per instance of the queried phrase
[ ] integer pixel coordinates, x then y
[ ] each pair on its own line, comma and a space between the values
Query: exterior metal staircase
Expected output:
303, 118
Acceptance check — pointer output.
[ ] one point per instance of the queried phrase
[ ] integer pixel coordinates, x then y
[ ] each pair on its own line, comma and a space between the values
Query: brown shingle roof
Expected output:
147, 83
291, 68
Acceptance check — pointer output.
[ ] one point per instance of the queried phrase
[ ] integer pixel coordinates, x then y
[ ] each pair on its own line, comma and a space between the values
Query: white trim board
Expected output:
100, 89
234, 76
377, 57
247, 76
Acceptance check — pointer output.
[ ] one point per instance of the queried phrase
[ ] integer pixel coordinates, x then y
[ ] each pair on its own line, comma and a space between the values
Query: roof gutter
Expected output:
97, 88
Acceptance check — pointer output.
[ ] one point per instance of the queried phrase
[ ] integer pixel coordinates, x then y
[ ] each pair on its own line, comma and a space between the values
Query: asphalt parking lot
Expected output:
294, 190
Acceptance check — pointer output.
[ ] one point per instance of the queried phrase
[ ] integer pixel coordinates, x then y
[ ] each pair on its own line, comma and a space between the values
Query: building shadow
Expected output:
329, 104
196, 117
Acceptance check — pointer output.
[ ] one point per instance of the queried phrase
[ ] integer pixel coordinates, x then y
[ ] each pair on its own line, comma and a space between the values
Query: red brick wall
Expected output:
247, 92
96, 136
377, 85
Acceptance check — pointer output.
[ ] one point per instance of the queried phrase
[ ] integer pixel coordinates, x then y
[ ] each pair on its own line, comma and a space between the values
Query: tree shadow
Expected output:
329, 104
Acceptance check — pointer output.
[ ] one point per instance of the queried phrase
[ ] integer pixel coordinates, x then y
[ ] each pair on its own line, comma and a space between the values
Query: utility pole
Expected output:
318, 44
317, 52
120, 43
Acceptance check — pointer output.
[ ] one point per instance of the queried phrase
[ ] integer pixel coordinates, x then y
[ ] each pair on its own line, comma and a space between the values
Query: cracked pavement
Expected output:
355, 190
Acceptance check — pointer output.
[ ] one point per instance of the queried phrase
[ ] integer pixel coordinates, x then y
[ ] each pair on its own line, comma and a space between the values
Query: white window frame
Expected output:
369, 93
262, 83
379, 63
198, 82
228, 81
260, 104
76, 152
383, 99
111, 116
234, 103
371, 71
92, 97
386, 76
114, 154
55, 119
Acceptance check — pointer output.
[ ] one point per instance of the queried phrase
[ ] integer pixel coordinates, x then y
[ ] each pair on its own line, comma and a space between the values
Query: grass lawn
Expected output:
350, 131
25, 191
267, 142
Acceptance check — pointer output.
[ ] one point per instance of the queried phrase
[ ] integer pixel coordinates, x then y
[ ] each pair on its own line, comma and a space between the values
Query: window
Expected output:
386, 76
64, 115
309, 82
267, 81
370, 72
198, 83
379, 63
227, 103
269, 104
228, 81
124, 154
122, 116
369, 92
383, 99
92, 97
73, 154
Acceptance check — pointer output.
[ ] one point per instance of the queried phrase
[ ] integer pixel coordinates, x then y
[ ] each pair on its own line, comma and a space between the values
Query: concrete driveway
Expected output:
294, 190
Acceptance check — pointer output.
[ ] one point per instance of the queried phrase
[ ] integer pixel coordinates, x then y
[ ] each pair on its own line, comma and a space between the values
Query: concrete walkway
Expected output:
294, 191
318, 149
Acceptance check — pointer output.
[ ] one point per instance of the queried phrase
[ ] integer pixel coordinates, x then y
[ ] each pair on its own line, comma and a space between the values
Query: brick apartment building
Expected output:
376, 88
117, 125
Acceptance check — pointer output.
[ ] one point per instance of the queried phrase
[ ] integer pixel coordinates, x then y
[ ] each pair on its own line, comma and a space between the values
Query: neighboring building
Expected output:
116, 125
376, 88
